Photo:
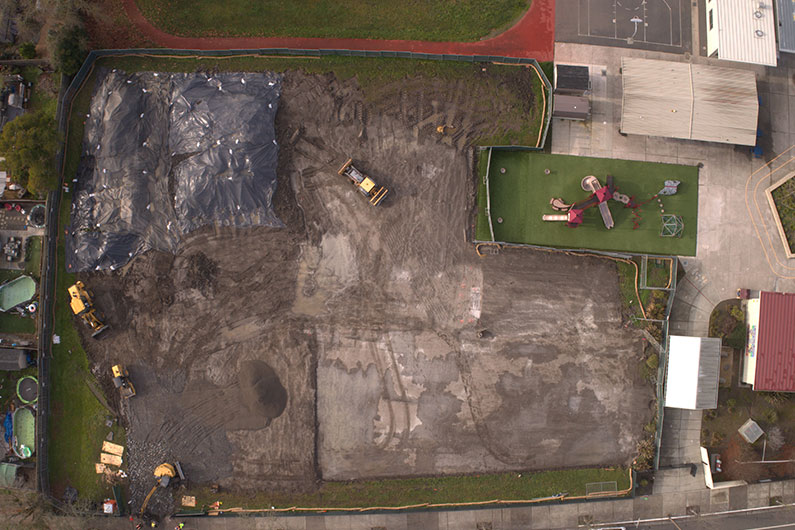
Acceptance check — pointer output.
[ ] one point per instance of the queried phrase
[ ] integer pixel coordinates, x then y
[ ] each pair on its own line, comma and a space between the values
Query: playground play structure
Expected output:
672, 225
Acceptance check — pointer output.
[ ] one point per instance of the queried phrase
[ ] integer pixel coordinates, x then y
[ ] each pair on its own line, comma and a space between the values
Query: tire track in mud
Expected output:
404, 397
481, 427
382, 376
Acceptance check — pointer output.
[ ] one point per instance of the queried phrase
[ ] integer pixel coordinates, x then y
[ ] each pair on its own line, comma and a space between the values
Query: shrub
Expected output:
775, 398
737, 312
645, 456
648, 369
771, 415
27, 50
716, 439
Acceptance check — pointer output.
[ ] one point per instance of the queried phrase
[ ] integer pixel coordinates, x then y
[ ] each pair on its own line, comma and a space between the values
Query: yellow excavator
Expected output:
165, 474
121, 380
366, 185
80, 301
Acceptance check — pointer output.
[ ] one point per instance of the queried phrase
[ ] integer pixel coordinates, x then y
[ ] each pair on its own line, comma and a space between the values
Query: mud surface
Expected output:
362, 323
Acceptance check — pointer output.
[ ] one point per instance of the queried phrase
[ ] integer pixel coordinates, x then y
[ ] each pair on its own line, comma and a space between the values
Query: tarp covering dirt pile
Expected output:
165, 154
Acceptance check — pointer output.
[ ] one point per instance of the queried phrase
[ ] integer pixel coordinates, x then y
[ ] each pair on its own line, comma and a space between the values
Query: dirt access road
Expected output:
346, 344
533, 36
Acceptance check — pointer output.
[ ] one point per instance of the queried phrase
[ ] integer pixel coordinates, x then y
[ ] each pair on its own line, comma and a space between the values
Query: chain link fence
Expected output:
70, 88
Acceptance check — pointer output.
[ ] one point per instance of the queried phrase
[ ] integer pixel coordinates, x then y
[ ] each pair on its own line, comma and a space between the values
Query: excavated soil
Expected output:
346, 345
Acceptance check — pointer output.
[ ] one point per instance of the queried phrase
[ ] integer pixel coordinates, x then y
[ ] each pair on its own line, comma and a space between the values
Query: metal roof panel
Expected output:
746, 31
775, 353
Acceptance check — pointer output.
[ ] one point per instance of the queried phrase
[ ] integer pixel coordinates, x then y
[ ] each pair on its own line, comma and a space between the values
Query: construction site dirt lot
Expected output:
346, 345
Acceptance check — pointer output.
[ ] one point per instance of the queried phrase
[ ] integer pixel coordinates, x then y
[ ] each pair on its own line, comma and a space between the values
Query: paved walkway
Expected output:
684, 501
532, 37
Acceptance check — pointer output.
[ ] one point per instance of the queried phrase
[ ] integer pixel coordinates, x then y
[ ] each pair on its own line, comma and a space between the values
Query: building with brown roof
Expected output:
769, 358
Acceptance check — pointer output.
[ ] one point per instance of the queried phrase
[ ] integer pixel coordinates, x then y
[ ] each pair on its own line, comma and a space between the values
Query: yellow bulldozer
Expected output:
121, 380
80, 301
366, 185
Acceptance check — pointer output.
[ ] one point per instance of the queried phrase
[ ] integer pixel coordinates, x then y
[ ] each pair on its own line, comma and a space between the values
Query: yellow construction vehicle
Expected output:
121, 380
165, 474
366, 185
80, 300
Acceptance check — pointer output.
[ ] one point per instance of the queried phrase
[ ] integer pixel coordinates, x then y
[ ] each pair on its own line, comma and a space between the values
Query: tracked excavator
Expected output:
82, 306
166, 474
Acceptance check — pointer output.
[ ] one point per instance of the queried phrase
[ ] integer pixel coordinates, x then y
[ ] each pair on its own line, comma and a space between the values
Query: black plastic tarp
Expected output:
165, 154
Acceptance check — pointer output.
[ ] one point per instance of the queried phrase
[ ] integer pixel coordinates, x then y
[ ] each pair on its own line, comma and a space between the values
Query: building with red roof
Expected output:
769, 359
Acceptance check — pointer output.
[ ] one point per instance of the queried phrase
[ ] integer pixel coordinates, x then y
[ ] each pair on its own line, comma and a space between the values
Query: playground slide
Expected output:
591, 183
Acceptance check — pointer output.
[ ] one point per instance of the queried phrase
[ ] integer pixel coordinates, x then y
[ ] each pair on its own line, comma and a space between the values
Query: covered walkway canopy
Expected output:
689, 101
692, 377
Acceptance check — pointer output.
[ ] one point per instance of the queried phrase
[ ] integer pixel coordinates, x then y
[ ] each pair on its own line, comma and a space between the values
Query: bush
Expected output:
771, 415
645, 456
27, 50
775, 398
716, 439
648, 369
70, 48
737, 312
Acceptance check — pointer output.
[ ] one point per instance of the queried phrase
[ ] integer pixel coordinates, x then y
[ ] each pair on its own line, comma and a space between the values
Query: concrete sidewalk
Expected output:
548, 517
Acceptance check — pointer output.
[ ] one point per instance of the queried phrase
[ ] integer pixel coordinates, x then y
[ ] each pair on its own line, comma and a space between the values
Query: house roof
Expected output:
746, 31
693, 373
700, 102
775, 350
786, 26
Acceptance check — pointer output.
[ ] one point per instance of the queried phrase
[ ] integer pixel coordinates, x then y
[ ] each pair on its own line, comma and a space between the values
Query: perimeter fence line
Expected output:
69, 90
616, 256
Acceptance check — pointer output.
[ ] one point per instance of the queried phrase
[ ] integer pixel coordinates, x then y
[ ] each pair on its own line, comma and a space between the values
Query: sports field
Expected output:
432, 20
521, 195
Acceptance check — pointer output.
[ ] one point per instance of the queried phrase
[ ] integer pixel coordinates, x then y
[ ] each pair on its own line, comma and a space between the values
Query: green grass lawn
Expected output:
434, 490
381, 79
77, 419
521, 196
434, 20
33, 257
8, 387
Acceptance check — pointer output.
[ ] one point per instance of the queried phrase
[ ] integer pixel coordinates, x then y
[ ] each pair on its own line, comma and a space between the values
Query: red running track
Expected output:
532, 37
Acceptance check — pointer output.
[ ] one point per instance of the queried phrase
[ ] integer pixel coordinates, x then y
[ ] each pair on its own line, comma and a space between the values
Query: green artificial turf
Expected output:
435, 20
521, 195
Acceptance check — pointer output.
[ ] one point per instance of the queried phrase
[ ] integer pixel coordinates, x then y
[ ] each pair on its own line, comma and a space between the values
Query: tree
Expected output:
29, 144
27, 50
70, 48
